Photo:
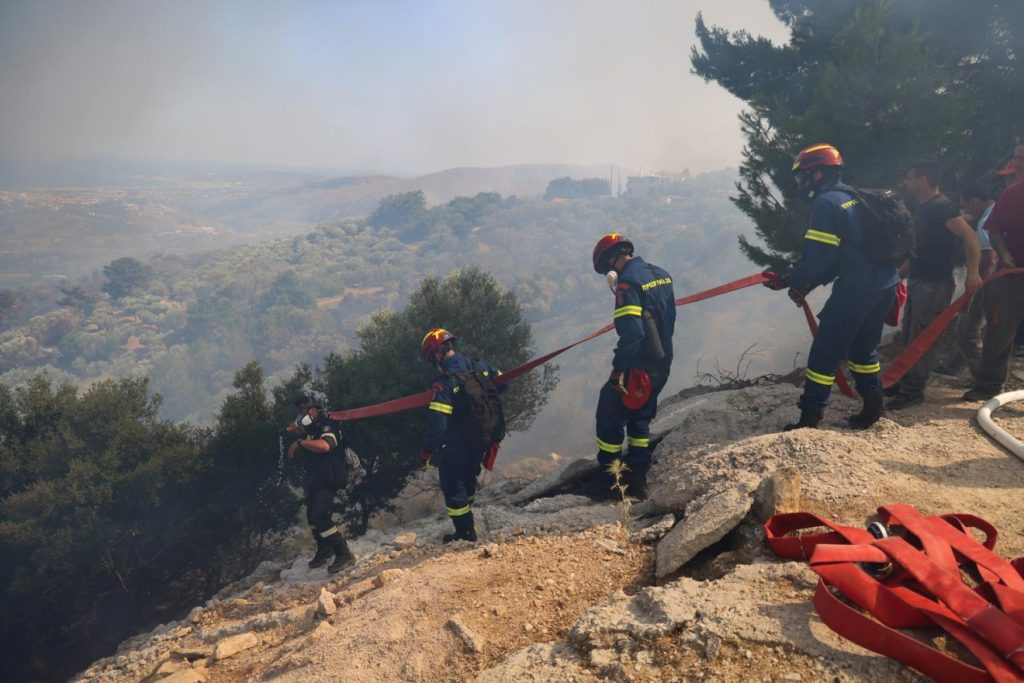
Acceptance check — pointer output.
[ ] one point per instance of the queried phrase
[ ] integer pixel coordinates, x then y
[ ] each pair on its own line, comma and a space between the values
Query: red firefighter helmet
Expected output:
606, 246
820, 154
433, 341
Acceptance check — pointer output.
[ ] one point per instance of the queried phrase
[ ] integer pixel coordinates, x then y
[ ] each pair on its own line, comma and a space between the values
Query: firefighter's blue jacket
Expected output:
834, 248
442, 403
641, 286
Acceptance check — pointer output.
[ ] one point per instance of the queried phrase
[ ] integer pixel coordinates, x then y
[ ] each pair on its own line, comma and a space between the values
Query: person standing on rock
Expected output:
465, 422
862, 293
645, 319
326, 468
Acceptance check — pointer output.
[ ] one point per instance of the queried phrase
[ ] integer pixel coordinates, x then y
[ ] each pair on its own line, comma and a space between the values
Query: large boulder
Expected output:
723, 417
706, 521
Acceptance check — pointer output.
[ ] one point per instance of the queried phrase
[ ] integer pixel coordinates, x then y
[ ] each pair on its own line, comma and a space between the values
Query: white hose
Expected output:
1012, 444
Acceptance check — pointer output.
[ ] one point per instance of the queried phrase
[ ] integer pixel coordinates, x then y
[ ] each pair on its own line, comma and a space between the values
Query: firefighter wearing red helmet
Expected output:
863, 290
645, 316
452, 440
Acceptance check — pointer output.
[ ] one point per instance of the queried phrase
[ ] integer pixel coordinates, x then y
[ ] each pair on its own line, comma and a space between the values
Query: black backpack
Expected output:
478, 410
889, 232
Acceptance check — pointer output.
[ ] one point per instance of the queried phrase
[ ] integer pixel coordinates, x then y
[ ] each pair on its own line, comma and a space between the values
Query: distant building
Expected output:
662, 184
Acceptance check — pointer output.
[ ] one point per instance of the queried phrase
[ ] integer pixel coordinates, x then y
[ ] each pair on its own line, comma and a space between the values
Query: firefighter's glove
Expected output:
775, 281
797, 296
425, 456
618, 381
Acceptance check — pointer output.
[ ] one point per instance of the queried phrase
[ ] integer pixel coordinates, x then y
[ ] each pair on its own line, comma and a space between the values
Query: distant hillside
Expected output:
295, 299
72, 231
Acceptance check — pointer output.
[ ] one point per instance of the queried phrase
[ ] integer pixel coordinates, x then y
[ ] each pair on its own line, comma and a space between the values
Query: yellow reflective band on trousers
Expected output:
638, 442
458, 512
441, 407
865, 369
628, 310
823, 237
818, 378
330, 532
609, 447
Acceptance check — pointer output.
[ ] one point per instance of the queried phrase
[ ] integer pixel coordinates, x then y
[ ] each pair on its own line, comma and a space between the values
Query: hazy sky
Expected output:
377, 86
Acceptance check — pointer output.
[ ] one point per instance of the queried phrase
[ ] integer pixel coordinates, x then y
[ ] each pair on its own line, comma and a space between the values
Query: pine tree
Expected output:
885, 82
488, 323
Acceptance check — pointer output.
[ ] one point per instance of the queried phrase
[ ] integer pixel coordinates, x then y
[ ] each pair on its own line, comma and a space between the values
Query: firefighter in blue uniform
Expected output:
645, 318
444, 442
326, 471
862, 291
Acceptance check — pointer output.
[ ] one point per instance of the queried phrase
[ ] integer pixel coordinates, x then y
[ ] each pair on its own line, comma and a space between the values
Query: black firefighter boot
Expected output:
343, 557
323, 552
807, 419
464, 529
874, 408
636, 480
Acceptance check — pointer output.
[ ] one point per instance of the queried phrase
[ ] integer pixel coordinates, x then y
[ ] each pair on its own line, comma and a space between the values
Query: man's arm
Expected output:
321, 445
316, 445
441, 407
1004, 219
628, 324
989, 257
817, 264
962, 229
999, 246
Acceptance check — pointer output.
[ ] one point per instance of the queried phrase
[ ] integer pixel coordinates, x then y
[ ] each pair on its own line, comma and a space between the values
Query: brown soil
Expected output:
509, 595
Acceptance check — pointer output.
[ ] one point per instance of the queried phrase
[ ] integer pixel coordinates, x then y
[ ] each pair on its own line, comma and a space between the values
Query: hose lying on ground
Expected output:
1012, 444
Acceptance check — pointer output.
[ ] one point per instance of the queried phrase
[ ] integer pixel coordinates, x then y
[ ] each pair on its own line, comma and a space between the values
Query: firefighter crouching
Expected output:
645, 318
464, 425
326, 471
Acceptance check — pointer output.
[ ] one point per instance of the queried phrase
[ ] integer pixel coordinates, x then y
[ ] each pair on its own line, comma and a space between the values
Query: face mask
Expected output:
612, 278
304, 421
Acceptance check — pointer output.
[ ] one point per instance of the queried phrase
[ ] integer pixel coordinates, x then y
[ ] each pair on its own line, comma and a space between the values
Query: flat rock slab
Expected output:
557, 503
233, 645
707, 520
552, 481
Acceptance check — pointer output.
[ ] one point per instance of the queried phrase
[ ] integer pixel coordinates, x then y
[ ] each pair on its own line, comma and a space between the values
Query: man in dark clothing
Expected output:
326, 471
447, 442
1004, 298
930, 279
645, 319
977, 201
862, 292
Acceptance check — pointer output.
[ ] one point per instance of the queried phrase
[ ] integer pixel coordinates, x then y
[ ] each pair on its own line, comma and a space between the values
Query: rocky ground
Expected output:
560, 588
